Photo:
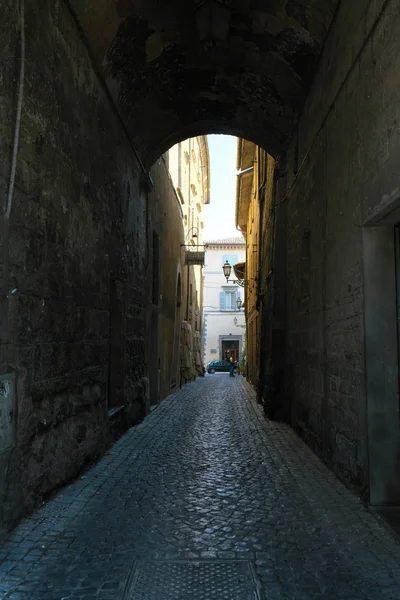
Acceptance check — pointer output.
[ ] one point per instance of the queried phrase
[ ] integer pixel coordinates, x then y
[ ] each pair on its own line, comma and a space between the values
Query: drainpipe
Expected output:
261, 201
189, 228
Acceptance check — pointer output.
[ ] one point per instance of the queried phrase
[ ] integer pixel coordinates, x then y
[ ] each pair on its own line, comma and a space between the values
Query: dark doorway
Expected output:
177, 333
154, 363
397, 267
230, 348
116, 358
155, 270
381, 255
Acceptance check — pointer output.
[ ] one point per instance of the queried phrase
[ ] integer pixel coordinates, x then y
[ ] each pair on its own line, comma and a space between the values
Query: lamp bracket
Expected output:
241, 282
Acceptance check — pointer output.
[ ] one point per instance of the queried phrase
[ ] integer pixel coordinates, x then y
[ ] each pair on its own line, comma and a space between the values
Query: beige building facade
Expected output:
188, 164
224, 323
254, 192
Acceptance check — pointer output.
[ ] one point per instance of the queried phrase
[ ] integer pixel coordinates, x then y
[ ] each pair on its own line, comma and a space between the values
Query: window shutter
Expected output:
222, 301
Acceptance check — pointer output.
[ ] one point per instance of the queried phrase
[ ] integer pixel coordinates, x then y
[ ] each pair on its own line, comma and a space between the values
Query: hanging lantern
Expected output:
239, 302
227, 270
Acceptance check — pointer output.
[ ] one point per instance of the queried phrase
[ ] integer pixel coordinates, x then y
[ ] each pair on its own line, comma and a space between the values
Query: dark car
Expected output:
219, 366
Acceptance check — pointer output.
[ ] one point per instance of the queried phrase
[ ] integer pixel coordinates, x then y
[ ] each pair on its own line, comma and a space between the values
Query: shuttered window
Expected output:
227, 300
231, 258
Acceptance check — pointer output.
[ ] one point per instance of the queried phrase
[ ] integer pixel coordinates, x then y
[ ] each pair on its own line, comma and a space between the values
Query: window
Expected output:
230, 300
231, 258
227, 299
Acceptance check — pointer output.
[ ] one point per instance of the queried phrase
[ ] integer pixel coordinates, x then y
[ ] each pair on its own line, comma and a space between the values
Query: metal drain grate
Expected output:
206, 580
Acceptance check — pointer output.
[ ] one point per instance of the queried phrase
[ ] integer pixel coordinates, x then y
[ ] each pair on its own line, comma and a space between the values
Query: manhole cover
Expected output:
193, 580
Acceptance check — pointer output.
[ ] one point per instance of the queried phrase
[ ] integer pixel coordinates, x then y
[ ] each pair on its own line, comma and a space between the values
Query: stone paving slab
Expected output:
205, 477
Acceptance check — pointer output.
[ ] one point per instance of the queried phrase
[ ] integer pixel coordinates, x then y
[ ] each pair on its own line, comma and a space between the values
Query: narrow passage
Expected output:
206, 493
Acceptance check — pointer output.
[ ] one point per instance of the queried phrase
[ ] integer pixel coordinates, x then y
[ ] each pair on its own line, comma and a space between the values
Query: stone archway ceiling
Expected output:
169, 84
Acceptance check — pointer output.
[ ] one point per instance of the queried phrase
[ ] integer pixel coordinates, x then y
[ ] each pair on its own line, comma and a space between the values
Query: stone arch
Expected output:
201, 129
170, 83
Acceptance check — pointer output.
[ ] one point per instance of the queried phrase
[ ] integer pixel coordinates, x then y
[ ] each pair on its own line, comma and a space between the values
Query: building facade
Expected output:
188, 164
224, 323
165, 237
254, 217
174, 267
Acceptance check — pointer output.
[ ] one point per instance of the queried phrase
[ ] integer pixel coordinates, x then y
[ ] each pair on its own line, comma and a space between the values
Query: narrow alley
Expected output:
205, 498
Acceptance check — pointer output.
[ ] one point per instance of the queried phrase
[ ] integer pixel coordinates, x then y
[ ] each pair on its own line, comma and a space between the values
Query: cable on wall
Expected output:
19, 112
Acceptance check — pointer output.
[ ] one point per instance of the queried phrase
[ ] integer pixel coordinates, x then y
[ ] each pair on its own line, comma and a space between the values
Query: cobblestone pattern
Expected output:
204, 476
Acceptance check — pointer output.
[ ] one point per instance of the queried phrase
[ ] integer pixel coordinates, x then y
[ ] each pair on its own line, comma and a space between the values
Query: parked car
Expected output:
219, 366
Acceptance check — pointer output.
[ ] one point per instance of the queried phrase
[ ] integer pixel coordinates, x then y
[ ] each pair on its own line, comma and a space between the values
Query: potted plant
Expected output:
243, 364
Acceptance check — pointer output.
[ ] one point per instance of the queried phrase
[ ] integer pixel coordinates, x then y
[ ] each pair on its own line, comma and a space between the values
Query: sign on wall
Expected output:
194, 258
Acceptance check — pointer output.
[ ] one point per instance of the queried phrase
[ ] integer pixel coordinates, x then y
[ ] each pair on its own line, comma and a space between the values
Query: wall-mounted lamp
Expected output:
193, 236
213, 18
236, 323
227, 269
239, 302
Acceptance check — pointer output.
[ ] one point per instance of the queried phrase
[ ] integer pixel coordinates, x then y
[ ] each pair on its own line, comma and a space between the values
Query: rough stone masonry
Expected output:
75, 244
101, 77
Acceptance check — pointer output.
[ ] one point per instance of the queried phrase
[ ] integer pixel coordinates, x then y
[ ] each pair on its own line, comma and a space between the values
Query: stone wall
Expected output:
342, 167
74, 257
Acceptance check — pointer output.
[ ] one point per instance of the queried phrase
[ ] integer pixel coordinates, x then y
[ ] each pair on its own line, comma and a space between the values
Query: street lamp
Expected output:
195, 235
235, 321
227, 269
192, 258
239, 302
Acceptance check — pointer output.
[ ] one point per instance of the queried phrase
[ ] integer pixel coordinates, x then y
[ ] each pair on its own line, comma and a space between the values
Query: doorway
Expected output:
154, 360
230, 348
177, 331
116, 396
381, 261
154, 371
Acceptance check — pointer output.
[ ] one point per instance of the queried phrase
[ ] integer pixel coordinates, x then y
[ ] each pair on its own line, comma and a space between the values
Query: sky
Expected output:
219, 215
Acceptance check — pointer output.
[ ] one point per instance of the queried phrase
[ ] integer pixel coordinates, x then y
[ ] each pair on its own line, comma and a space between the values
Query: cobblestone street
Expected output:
204, 484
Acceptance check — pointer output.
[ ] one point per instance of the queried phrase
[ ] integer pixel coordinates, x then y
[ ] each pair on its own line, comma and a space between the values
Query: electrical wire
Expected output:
19, 112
